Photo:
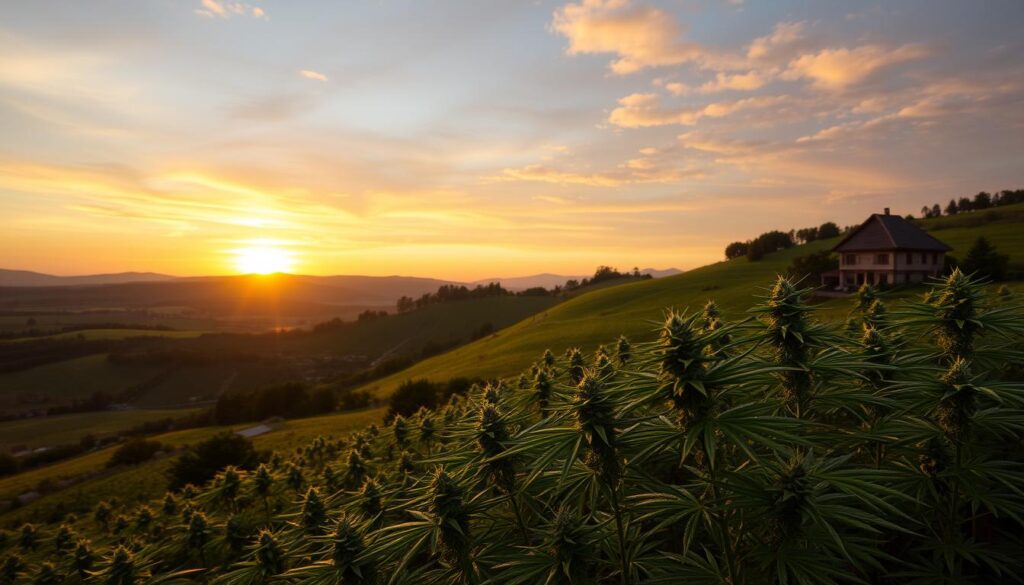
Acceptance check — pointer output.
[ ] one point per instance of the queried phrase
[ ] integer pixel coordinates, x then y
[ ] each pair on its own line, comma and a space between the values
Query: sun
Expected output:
263, 259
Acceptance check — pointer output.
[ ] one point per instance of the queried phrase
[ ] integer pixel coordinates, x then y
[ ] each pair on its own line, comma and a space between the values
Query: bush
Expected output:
202, 461
809, 268
411, 396
134, 452
8, 464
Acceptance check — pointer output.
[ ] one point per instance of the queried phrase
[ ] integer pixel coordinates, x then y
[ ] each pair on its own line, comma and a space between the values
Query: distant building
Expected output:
885, 250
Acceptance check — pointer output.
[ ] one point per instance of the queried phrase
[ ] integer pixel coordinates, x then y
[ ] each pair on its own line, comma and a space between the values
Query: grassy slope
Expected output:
601, 316
148, 481
56, 430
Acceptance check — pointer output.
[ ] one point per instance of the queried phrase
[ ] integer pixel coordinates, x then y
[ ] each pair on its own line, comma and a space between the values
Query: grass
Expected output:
602, 315
69, 428
149, 480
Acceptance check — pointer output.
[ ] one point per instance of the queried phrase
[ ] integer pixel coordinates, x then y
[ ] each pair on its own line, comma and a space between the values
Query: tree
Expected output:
936, 211
411, 396
405, 304
202, 461
984, 261
736, 250
983, 200
756, 251
964, 204
810, 267
951, 207
828, 230
134, 452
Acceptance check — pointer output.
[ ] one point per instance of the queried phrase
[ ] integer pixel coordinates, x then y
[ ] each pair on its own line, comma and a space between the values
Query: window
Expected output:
881, 258
883, 279
935, 258
850, 259
910, 258
924, 258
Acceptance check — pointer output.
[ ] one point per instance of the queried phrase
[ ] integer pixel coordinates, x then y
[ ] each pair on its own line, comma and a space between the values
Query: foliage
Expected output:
984, 261
290, 400
134, 452
774, 449
809, 268
413, 395
202, 461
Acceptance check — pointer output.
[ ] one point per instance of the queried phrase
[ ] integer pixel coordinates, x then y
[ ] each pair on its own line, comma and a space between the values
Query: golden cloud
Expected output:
314, 75
641, 110
836, 69
640, 36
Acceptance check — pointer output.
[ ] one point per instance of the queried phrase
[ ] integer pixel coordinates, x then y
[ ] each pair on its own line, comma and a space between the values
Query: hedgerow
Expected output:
774, 449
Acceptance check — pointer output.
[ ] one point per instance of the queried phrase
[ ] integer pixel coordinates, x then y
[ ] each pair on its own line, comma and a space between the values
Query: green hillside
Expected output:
148, 481
602, 315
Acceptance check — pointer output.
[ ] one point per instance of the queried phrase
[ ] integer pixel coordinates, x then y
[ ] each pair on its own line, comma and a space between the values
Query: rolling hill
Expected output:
32, 279
634, 309
298, 355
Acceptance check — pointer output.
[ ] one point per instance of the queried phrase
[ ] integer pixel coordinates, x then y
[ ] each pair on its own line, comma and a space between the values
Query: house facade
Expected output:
886, 250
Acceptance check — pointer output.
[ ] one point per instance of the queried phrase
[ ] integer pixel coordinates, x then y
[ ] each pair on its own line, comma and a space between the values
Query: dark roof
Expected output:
889, 232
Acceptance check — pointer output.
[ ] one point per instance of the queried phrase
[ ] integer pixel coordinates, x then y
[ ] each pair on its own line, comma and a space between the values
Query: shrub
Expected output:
134, 452
202, 461
809, 268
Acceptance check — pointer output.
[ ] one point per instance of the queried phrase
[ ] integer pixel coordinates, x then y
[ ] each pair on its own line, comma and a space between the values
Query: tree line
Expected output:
776, 240
981, 201
453, 292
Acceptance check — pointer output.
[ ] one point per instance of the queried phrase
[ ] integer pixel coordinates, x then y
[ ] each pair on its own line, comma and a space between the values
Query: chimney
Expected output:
887, 211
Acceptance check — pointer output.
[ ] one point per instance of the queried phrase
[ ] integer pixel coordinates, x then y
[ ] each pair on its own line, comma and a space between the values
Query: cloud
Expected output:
782, 37
676, 88
315, 75
634, 171
227, 9
739, 82
640, 36
836, 69
641, 110
548, 174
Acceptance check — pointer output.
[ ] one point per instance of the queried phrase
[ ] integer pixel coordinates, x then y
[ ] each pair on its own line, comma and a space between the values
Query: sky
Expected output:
471, 139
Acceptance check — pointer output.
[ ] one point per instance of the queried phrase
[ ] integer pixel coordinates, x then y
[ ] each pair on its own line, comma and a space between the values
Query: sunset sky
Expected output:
472, 139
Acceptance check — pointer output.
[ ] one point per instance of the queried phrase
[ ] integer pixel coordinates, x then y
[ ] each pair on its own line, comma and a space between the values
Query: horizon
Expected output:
458, 141
266, 274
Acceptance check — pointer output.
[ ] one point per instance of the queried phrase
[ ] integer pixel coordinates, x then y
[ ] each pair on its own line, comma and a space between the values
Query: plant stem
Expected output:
723, 528
620, 528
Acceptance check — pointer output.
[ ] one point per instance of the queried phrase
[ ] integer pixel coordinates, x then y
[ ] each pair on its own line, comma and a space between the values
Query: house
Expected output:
886, 250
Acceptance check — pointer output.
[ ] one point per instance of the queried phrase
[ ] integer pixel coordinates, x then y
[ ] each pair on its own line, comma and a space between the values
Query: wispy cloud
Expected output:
836, 69
315, 75
229, 8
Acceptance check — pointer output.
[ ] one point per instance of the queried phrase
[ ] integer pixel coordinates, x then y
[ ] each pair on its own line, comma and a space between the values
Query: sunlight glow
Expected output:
263, 258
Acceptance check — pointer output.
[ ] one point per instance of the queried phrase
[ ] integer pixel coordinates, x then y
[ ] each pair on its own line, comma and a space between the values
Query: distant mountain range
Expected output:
29, 278
243, 294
